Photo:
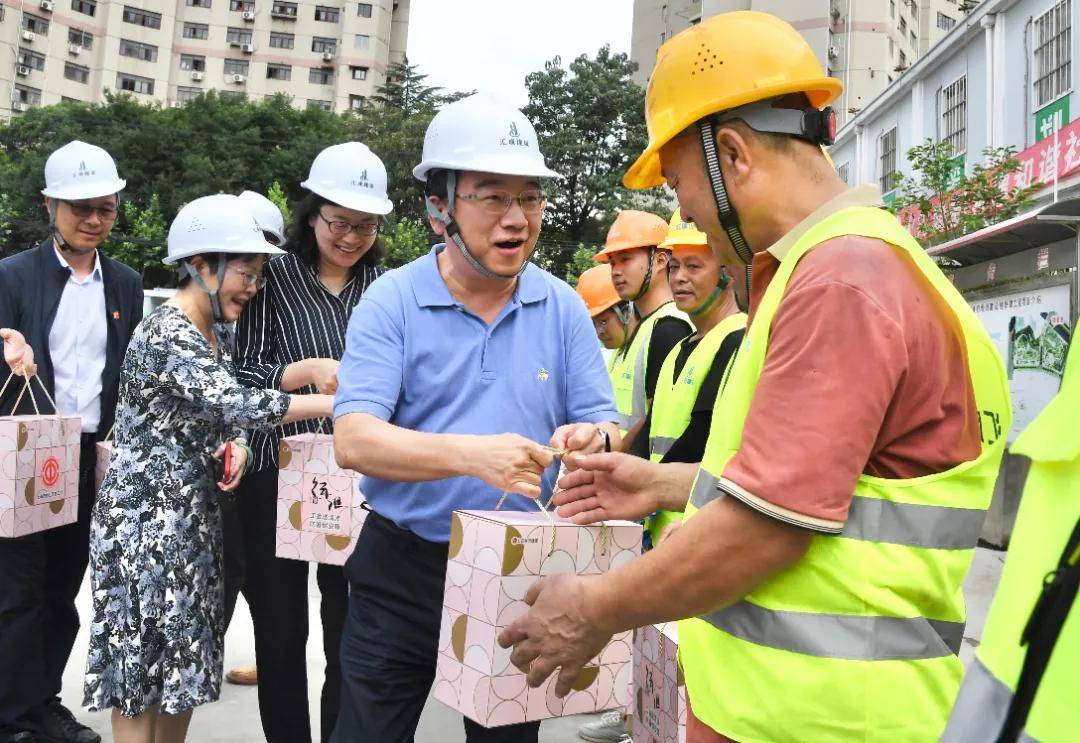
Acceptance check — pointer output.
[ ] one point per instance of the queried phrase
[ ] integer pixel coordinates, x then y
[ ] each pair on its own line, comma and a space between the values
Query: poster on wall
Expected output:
1032, 331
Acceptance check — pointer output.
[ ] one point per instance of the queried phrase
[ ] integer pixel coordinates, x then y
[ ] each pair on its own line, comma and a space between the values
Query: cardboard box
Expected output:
659, 697
320, 509
103, 450
39, 473
494, 557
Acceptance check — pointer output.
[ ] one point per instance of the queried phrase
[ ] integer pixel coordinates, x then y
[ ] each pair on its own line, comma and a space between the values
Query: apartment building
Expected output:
865, 43
331, 54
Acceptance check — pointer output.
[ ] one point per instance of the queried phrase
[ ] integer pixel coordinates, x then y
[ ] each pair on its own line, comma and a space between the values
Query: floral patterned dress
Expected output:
158, 628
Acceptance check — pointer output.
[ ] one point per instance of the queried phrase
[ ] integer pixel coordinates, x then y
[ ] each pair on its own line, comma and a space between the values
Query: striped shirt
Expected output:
293, 318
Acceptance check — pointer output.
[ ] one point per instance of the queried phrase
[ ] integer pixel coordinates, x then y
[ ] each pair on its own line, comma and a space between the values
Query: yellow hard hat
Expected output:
682, 234
727, 61
595, 287
633, 229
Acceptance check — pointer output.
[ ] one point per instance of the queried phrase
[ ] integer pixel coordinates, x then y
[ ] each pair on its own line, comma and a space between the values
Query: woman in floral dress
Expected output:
156, 637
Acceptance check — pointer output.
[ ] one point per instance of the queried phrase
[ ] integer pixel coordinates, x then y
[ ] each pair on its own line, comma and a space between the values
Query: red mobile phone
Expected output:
227, 477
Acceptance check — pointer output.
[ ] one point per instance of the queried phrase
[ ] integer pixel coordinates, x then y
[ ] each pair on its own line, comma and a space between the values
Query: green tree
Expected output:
277, 195
407, 240
589, 117
404, 89
143, 244
952, 202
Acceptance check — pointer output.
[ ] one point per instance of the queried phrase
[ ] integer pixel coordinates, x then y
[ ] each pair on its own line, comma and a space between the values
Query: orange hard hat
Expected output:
595, 287
633, 229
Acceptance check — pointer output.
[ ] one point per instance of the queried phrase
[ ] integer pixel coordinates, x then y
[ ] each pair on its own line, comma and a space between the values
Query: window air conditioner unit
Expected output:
248, 48
248, 15
74, 50
18, 106
28, 36
197, 76
238, 78
176, 104
22, 70
834, 51
47, 5
328, 56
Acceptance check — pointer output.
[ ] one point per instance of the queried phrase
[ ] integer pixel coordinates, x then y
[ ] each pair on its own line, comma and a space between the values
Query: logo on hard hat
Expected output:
514, 138
83, 171
362, 181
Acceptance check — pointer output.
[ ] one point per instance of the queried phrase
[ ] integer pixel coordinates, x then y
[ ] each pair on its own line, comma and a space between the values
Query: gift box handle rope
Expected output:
28, 387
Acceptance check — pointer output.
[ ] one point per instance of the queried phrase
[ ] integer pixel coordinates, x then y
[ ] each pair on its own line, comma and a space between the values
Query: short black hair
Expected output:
438, 184
300, 237
213, 260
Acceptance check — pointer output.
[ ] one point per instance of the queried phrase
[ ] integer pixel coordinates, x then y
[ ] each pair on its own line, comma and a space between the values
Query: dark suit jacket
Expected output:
31, 283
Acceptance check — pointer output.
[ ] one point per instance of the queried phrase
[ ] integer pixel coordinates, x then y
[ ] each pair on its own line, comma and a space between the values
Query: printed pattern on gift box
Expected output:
658, 704
494, 557
320, 510
39, 473
103, 451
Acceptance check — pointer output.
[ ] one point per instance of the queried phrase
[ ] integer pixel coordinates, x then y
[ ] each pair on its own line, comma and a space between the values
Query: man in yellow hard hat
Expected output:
612, 317
855, 441
639, 272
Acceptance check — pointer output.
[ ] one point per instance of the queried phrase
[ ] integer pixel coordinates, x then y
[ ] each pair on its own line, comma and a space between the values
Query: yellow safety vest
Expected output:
1048, 513
674, 402
858, 640
628, 369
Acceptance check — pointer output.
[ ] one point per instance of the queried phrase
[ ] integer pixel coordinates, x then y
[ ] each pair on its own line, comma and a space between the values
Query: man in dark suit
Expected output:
71, 310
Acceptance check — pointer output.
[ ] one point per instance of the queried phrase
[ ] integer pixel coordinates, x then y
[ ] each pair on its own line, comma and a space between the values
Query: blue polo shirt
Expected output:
417, 358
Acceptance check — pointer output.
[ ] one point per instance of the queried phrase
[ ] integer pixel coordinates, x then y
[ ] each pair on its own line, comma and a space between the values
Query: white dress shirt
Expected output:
77, 343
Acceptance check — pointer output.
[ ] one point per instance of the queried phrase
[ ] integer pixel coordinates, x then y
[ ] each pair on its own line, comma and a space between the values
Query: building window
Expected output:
914, 40
241, 5
81, 38
1053, 54
281, 41
186, 93
329, 15
952, 103
359, 73
136, 50
193, 62
362, 42
363, 10
322, 44
320, 76
324, 105
944, 22
892, 47
135, 84
198, 3
284, 10
892, 8
903, 60
35, 23
31, 59
236, 67
88, 7
196, 31
76, 72
914, 12
238, 36
141, 17
26, 94
903, 25
842, 171
886, 160
356, 102
278, 72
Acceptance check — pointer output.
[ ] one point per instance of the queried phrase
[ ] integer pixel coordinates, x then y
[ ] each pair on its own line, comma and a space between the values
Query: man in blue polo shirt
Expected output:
456, 367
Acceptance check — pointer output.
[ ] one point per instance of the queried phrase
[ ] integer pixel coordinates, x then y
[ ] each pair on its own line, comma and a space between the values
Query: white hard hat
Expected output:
266, 214
81, 171
352, 176
216, 224
479, 134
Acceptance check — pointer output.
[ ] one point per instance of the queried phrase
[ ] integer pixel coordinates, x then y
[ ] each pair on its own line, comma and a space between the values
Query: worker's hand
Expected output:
508, 462
324, 375
577, 438
607, 486
557, 632
17, 353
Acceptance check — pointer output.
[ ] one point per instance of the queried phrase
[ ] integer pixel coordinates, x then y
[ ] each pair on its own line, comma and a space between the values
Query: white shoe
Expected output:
609, 728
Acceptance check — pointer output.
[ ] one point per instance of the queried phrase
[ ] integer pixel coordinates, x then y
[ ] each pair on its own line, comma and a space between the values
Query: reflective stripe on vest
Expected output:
874, 614
628, 369
1049, 509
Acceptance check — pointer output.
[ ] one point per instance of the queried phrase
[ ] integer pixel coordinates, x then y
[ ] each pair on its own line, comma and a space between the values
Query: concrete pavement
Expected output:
235, 718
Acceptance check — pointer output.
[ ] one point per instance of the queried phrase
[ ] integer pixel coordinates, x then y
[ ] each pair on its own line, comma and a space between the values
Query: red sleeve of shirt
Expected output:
834, 360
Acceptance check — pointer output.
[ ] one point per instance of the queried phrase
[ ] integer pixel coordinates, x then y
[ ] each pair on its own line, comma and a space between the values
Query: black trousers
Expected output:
391, 639
277, 593
40, 575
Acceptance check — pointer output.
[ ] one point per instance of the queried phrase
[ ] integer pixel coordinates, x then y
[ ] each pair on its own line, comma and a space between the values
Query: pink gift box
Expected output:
39, 473
658, 705
494, 557
320, 509
103, 451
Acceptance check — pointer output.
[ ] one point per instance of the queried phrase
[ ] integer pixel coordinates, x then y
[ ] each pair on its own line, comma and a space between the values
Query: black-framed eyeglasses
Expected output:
250, 279
499, 202
343, 227
85, 211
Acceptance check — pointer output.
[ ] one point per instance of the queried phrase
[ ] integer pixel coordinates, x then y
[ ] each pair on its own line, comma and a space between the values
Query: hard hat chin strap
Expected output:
453, 232
647, 281
58, 239
215, 301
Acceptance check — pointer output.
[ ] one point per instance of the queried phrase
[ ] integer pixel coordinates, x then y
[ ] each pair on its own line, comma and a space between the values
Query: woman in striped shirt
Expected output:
291, 338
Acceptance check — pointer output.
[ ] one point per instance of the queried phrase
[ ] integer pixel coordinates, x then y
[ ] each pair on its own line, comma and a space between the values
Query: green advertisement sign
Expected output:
956, 171
889, 197
1051, 118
